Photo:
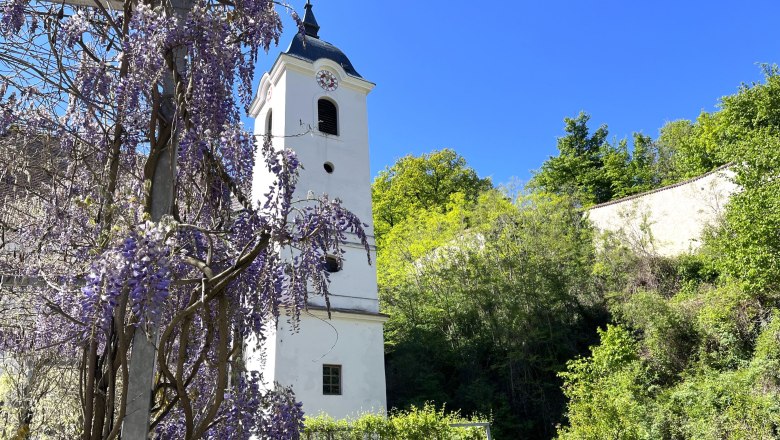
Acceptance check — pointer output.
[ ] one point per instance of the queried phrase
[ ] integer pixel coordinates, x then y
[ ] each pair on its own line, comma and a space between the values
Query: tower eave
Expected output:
286, 60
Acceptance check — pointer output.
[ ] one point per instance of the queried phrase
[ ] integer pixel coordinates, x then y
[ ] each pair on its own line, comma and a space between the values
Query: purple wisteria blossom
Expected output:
91, 99
13, 17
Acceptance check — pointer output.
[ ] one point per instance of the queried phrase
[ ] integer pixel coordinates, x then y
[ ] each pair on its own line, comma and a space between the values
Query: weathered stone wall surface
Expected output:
668, 221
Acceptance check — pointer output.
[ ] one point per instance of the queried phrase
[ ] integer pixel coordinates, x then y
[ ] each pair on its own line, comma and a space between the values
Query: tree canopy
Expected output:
579, 167
487, 299
424, 182
694, 350
594, 170
749, 135
493, 301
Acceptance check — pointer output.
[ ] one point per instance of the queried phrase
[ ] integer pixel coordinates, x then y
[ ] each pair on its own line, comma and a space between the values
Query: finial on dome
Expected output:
309, 22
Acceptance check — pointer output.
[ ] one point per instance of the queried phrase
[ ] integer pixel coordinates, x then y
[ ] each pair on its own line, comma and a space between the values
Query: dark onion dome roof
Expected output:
309, 47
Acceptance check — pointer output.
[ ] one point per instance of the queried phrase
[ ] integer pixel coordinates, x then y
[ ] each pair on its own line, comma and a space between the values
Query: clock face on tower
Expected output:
327, 80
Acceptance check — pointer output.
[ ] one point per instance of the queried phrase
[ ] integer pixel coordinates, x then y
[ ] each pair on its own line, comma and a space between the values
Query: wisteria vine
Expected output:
91, 97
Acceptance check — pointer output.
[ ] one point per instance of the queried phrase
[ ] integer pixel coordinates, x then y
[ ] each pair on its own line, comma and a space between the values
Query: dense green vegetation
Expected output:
421, 183
593, 170
488, 297
423, 423
695, 352
516, 308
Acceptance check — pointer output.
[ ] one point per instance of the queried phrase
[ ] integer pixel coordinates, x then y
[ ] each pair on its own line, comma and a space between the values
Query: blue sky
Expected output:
494, 80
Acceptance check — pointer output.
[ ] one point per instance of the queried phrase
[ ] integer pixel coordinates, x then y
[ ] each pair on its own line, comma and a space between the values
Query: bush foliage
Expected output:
423, 423
494, 300
697, 358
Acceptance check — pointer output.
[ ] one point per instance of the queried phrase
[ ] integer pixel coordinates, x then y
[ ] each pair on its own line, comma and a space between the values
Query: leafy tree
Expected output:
669, 336
616, 168
720, 404
424, 182
688, 360
487, 302
613, 394
749, 244
578, 168
682, 158
591, 169
689, 149
40, 397
645, 160
695, 353
125, 173
607, 392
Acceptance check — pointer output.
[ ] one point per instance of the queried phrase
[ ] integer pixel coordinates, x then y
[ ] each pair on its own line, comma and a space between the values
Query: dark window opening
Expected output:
269, 122
332, 264
328, 167
331, 380
328, 118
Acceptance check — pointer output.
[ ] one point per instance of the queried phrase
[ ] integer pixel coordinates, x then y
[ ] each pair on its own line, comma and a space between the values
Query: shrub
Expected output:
608, 391
426, 423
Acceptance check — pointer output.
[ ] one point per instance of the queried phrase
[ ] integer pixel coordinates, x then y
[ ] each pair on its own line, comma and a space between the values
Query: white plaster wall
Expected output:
353, 341
675, 216
354, 287
353, 338
348, 151
262, 358
293, 101
261, 178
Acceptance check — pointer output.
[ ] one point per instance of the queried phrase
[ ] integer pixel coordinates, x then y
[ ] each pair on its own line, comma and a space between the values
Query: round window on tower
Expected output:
332, 263
328, 167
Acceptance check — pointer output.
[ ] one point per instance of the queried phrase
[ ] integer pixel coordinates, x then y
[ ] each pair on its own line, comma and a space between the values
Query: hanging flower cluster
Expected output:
13, 17
74, 28
138, 269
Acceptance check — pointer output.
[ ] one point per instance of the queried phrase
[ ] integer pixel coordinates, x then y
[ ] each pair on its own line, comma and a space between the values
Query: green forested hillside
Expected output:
504, 305
695, 347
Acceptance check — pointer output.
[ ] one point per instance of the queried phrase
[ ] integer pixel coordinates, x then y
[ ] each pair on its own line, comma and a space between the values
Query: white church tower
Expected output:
335, 366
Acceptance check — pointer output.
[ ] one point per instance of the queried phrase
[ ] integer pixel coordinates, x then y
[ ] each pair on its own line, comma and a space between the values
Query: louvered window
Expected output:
328, 117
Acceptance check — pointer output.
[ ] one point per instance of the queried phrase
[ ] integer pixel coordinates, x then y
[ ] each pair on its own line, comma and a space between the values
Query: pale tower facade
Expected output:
313, 101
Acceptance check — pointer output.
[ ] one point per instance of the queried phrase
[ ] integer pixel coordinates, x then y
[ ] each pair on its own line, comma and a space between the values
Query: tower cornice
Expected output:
288, 62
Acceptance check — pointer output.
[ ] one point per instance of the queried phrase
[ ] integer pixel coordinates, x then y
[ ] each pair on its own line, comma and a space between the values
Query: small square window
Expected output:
331, 380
